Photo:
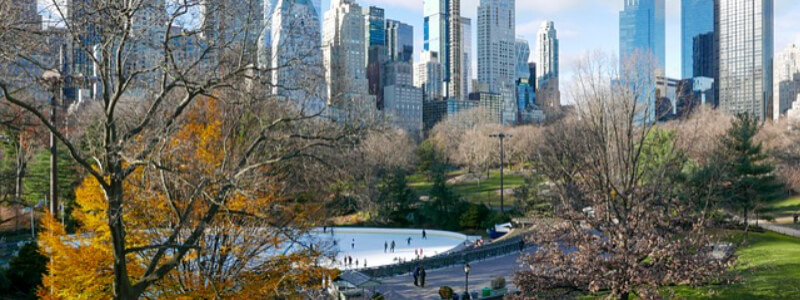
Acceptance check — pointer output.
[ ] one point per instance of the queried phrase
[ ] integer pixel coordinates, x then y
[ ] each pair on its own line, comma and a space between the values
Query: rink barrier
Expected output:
413, 233
451, 259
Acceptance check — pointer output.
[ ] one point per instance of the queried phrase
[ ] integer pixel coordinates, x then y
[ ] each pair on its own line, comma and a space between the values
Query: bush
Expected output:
25, 271
499, 283
446, 292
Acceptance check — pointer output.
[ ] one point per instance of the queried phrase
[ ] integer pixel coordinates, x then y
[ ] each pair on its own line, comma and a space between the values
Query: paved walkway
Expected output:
481, 274
785, 230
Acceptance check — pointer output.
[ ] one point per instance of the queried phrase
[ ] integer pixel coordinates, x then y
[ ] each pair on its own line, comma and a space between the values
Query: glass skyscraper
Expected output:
745, 37
400, 41
642, 29
697, 18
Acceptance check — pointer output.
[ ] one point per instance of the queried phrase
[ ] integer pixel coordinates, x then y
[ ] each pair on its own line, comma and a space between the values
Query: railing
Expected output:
450, 259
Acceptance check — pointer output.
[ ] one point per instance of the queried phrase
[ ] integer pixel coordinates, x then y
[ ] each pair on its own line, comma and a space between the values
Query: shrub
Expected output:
499, 283
446, 292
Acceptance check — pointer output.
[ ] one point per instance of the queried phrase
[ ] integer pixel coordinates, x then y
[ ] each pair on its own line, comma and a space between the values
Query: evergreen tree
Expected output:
395, 198
750, 179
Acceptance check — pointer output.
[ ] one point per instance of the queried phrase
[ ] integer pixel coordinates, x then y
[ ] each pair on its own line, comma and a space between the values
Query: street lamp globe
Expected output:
466, 268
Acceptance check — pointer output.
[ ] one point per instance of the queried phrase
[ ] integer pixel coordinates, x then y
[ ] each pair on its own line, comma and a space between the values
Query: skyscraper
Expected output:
642, 30
547, 52
744, 37
402, 100
703, 55
787, 79
343, 45
466, 62
399, 41
456, 55
441, 32
296, 54
523, 52
697, 18
375, 36
234, 25
497, 65
428, 76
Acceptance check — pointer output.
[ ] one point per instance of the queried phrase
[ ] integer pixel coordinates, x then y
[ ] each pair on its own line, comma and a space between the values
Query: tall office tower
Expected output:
642, 31
402, 100
297, 57
234, 25
787, 79
547, 53
497, 64
697, 18
375, 35
343, 45
265, 39
523, 51
703, 55
744, 41
400, 41
456, 55
439, 35
85, 35
428, 76
532, 80
466, 62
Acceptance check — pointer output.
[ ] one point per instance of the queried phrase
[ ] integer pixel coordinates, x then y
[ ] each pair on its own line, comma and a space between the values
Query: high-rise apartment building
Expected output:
744, 37
697, 19
235, 26
466, 62
296, 55
343, 45
497, 65
400, 41
547, 52
642, 31
428, 76
787, 79
456, 55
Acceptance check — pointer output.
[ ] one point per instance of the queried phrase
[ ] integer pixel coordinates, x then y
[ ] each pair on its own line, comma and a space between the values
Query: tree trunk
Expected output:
18, 181
114, 193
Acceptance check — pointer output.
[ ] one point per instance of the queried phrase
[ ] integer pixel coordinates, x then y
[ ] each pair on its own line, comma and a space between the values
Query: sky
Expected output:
583, 26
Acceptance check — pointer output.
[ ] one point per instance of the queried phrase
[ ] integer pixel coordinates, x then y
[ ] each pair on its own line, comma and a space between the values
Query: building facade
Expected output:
442, 33
402, 100
642, 31
466, 62
787, 79
497, 65
697, 19
744, 37
376, 51
296, 56
344, 57
547, 52
400, 41
428, 76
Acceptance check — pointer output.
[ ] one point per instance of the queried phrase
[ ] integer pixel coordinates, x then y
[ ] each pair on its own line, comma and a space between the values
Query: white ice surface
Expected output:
369, 244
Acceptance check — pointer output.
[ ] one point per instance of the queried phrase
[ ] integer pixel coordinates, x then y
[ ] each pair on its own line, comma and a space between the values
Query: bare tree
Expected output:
144, 80
621, 226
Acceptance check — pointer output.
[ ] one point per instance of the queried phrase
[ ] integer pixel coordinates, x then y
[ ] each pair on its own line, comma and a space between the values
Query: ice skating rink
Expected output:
368, 243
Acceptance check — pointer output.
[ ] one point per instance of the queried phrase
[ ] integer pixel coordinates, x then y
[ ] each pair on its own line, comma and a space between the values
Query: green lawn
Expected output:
768, 268
486, 192
790, 205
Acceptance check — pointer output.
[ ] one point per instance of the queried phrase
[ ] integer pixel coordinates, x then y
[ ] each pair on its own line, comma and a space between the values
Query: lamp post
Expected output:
466, 280
54, 78
502, 137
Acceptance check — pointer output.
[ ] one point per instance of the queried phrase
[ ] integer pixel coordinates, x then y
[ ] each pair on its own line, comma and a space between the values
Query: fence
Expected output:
450, 259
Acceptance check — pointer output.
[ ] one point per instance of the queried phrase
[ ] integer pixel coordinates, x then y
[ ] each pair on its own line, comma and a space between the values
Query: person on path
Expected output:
409, 240
416, 276
385, 246
422, 277
795, 218
424, 235
392, 247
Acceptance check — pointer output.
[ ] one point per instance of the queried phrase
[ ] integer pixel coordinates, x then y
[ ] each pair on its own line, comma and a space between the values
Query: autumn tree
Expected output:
175, 178
620, 226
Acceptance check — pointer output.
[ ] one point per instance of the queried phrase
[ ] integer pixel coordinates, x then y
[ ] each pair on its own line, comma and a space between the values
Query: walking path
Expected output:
785, 230
481, 275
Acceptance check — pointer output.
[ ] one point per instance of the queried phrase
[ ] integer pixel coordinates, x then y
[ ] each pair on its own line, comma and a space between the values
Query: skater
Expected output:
353, 244
416, 276
325, 229
356, 262
416, 252
422, 276
420, 251
424, 235
409, 241
385, 246
392, 247
365, 263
